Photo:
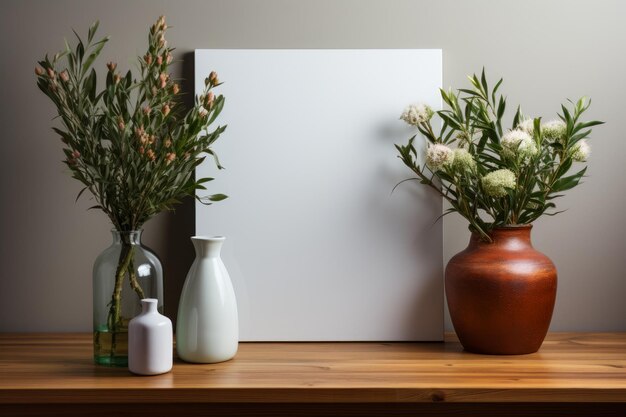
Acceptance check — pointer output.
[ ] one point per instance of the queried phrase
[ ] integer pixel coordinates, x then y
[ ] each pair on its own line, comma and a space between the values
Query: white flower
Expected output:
463, 161
527, 125
497, 182
580, 151
415, 114
438, 156
554, 130
518, 142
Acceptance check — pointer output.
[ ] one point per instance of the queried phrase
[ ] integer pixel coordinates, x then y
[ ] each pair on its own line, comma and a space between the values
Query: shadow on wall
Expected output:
174, 229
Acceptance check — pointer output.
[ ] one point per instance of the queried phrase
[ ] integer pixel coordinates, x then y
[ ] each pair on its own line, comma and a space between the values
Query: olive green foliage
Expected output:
473, 120
132, 144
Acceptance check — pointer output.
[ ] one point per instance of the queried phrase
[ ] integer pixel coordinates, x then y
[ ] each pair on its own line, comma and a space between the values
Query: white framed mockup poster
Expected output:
317, 245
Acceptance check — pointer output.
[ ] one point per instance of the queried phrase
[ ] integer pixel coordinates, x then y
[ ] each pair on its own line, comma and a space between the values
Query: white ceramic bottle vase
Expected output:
207, 328
150, 341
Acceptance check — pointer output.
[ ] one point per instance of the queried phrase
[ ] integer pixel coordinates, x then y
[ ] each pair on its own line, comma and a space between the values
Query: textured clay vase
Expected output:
150, 341
207, 328
501, 294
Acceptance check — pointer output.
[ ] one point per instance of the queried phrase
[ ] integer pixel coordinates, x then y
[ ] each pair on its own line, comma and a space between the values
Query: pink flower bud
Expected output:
117, 78
65, 77
51, 73
146, 110
167, 143
175, 89
210, 98
111, 66
170, 158
141, 150
39, 71
75, 154
148, 59
159, 60
168, 58
165, 110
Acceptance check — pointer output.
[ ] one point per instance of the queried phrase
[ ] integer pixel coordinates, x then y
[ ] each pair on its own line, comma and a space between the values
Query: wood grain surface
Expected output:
41, 370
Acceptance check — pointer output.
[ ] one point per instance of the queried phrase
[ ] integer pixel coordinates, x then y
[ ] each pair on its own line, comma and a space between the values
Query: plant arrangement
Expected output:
132, 144
490, 175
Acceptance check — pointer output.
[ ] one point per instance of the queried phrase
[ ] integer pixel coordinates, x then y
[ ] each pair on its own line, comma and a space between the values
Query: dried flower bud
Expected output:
152, 139
139, 131
111, 66
159, 60
168, 58
162, 41
213, 78
165, 110
148, 59
207, 82
146, 110
151, 155
187, 155
175, 89
51, 73
167, 143
154, 91
65, 77
161, 21
120, 123
141, 150
210, 98
39, 71
203, 112
170, 158
117, 78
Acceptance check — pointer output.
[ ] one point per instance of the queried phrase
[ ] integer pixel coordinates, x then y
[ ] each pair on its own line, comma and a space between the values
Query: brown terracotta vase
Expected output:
501, 294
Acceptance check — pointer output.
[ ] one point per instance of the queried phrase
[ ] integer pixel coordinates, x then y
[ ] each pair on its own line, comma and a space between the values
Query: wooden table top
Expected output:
570, 367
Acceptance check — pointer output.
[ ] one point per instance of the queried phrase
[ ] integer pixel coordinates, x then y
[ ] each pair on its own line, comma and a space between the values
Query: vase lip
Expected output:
114, 230
209, 238
514, 226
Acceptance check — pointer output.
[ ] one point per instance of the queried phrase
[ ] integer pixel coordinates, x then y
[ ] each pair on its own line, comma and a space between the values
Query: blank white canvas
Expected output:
317, 246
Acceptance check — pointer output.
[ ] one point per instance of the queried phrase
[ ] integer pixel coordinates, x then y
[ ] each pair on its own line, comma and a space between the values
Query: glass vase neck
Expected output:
132, 237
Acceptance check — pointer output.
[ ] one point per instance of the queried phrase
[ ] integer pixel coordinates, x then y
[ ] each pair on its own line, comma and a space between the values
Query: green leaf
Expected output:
91, 58
89, 85
217, 197
92, 30
567, 183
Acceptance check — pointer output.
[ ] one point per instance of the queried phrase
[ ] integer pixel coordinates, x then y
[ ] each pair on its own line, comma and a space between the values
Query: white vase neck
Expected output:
208, 247
149, 305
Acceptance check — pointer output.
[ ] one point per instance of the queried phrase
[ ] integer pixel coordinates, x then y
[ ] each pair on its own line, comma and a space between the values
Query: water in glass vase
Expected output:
110, 349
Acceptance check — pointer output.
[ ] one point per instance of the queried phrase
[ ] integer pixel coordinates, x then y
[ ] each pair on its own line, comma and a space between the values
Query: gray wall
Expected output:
547, 51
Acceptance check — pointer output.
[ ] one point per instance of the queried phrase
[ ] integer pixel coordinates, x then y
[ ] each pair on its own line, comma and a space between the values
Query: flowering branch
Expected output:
131, 144
490, 176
